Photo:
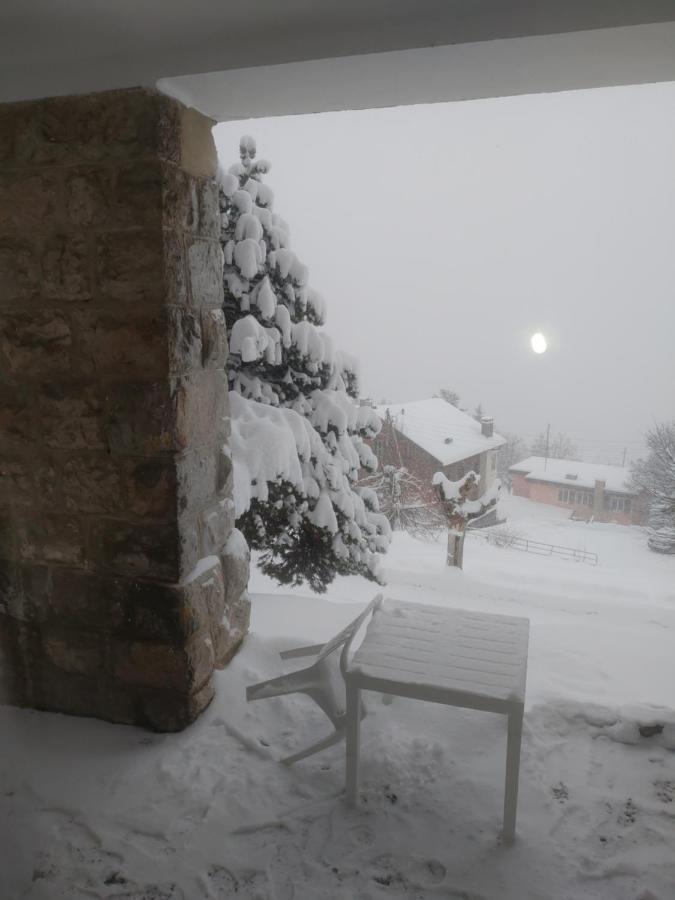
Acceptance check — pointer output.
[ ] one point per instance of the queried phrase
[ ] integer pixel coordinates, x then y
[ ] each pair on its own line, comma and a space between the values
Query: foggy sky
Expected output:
443, 236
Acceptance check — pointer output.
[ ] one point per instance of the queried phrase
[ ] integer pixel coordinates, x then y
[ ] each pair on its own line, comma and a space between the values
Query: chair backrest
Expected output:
348, 634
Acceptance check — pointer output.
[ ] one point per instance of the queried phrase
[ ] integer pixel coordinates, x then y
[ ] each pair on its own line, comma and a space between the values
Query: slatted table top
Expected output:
474, 656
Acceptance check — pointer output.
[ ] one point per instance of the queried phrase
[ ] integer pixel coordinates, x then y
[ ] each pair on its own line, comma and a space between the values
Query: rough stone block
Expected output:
196, 479
184, 340
209, 209
197, 148
175, 271
14, 119
107, 126
165, 613
165, 667
16, 484
11, 597
67, 596
164, 711
151, 488
91, 484
129, 266
50, 538
201, 400
214, 338
236, 559
205, 264
120, 341
223, 472
179, 199
36, 588
29, 200
79, 653
36, 343
216, 526
11, 675
111, 198
141, 418
56, 690
20, 269
70, 416
153, 551
66, 269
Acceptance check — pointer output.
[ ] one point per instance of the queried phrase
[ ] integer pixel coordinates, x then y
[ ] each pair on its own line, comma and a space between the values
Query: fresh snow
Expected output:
441, 429
616, 478
92, 810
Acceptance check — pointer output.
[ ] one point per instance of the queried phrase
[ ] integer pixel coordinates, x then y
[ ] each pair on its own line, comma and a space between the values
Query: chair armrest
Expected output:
312, 650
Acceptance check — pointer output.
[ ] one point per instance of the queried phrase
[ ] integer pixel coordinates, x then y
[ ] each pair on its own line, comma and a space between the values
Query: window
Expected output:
575, 498
617, 504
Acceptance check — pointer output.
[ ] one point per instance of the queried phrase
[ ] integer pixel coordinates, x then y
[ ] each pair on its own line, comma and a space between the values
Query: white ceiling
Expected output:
70, 46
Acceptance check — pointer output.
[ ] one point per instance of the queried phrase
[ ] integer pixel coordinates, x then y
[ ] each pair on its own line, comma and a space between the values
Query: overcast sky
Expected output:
443, 236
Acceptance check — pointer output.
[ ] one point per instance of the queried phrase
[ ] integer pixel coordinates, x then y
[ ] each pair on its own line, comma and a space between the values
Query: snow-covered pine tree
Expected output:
298, 431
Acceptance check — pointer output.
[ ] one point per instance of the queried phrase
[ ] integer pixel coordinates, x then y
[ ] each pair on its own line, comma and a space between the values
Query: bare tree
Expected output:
459, 509
513, 451
451, 397
559, 446
655, 476
403, 500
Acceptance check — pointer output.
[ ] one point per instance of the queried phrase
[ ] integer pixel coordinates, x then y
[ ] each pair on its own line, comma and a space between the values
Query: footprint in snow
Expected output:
347, 842
628, 814
223, 881
665, 790
560, 792
392, 870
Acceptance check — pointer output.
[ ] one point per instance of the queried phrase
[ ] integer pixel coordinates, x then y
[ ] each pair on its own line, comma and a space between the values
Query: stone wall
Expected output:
122, 584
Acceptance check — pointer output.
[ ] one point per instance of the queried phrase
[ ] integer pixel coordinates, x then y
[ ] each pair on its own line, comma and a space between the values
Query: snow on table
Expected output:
478, 654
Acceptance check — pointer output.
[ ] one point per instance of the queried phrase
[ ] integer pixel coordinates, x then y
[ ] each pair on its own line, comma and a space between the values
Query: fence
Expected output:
541, 549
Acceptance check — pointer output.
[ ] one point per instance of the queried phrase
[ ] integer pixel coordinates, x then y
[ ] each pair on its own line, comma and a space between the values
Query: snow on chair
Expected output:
323, 681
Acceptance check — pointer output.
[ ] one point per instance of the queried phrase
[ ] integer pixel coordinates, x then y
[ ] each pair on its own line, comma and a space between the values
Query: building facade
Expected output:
591, 491
429, 436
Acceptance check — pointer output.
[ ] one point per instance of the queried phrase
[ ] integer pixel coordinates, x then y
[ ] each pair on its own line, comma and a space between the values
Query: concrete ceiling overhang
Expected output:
308, 55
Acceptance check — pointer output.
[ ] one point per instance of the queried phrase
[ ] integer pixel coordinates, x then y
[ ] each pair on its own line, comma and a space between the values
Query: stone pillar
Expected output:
122, 582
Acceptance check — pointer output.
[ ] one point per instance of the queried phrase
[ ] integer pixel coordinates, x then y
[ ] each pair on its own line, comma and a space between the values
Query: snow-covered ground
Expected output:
89, 809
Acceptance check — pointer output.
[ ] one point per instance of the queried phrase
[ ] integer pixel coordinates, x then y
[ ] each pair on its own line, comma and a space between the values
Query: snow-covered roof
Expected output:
584, 475
444, 431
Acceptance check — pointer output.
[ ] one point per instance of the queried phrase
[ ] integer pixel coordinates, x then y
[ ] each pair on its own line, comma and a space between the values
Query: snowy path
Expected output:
90, 810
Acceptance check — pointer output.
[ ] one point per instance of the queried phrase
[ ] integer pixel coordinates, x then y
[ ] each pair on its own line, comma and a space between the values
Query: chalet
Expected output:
590, 490
428, 436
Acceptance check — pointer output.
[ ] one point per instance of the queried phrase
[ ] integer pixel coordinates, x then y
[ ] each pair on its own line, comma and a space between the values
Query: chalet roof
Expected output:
583, 475
445, 432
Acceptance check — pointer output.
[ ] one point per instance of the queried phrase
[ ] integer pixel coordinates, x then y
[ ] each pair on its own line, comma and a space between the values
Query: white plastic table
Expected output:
452, 656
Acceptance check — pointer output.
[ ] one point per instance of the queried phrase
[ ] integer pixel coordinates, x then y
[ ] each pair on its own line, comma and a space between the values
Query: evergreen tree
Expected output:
478, 412
302, 509
656, 477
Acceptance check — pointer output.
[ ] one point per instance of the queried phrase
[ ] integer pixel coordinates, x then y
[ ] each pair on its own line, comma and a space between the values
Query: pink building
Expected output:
590, 490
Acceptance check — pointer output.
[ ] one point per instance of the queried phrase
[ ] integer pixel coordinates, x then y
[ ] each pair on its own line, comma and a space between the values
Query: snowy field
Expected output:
93, 810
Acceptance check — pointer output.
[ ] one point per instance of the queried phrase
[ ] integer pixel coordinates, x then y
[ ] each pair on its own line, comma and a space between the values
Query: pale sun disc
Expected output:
538, 342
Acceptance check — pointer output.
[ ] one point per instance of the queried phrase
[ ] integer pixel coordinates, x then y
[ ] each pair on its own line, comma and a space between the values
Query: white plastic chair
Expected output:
323, 681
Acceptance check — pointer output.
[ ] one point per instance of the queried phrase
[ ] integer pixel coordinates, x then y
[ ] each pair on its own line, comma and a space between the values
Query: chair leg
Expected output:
315, 748
353, 743
515, 730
